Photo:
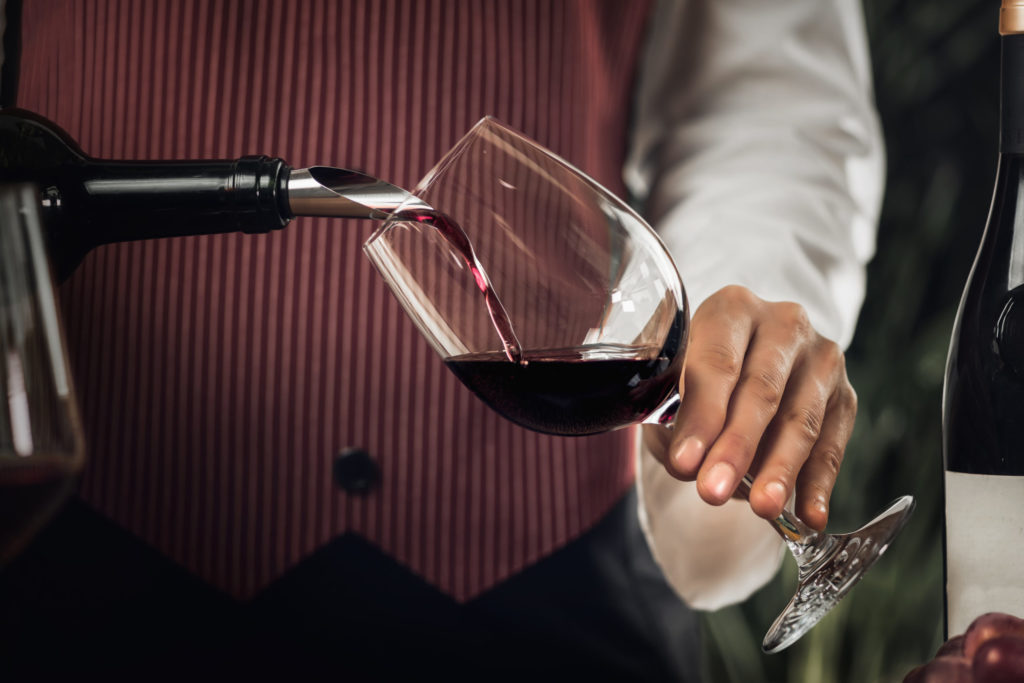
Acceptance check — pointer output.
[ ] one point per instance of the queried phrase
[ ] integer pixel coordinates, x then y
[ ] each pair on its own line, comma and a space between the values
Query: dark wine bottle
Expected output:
87, 202
983, 398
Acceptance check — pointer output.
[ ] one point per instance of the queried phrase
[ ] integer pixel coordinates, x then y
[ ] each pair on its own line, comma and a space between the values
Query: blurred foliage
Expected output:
936, 82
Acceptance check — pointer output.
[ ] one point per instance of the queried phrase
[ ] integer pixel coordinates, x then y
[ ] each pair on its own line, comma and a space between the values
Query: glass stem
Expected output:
810, 548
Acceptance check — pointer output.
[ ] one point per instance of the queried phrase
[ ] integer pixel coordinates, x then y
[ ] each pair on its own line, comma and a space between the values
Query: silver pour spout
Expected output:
342, 193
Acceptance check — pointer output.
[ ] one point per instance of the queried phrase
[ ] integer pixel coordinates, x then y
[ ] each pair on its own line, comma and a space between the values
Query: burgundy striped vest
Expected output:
220, 376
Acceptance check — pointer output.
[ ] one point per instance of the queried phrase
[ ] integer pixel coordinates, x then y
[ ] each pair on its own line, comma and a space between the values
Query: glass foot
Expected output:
828, 574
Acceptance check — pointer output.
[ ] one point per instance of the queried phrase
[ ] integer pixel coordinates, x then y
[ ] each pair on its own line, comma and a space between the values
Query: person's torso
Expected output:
221, 376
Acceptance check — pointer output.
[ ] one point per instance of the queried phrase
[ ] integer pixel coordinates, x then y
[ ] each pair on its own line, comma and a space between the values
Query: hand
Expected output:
991, 649
761, 389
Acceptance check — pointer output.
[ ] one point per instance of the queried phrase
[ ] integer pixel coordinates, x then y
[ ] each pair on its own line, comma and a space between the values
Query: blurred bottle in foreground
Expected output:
41, 441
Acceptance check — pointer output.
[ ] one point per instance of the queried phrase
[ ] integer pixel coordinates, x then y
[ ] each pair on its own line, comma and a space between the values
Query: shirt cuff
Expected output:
711, 556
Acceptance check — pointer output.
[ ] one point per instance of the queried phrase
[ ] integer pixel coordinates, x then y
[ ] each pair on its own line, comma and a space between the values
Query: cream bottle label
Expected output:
984, 547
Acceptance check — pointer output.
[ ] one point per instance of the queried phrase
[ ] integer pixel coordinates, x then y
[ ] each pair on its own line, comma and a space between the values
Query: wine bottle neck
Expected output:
138, 199
87, 202
1011, 95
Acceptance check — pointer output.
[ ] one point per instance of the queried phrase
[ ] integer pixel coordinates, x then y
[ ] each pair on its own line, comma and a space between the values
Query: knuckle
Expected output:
794, 316
844, 400
807, 422
767, 385
722, 358
733, 291
737, 296
831, 458
849, 399
832, 354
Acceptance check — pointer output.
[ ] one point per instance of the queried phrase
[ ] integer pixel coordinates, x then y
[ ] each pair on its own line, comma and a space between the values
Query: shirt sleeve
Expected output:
757, 155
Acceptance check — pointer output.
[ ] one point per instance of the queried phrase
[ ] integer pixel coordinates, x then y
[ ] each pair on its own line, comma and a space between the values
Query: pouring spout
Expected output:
343, 193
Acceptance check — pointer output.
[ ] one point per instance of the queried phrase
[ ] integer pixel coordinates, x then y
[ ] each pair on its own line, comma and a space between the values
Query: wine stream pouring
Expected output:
87, 202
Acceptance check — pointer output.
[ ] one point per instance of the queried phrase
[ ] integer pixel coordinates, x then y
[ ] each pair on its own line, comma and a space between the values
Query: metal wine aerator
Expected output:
343, 193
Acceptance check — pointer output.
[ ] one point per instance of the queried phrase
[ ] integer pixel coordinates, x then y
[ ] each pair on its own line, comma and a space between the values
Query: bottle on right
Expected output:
983, 397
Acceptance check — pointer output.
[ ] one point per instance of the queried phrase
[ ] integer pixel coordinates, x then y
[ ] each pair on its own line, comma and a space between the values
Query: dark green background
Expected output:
936, 70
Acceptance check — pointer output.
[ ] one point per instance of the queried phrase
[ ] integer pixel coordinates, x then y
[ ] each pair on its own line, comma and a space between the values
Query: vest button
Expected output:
355, 471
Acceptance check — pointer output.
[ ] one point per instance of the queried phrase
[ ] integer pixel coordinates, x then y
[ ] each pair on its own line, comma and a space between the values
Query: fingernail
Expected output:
690, 454
777, 492
721, 479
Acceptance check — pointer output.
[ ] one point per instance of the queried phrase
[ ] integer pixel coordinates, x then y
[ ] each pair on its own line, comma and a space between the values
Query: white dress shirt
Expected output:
758, 157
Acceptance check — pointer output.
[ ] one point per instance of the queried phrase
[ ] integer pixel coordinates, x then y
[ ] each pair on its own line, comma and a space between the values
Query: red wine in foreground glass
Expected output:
571, 392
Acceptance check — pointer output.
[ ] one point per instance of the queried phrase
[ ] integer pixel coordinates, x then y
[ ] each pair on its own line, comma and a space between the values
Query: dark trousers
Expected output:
89, 598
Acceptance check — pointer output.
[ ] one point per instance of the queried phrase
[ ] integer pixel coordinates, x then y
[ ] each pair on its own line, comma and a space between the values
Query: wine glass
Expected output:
41, 442
558, 306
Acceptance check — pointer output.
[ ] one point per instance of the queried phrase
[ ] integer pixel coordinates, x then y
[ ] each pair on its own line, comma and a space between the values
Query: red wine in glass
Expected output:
29, 496
572, 392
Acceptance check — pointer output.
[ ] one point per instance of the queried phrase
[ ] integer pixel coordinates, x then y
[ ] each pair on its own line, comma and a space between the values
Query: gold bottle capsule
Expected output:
1011, 17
